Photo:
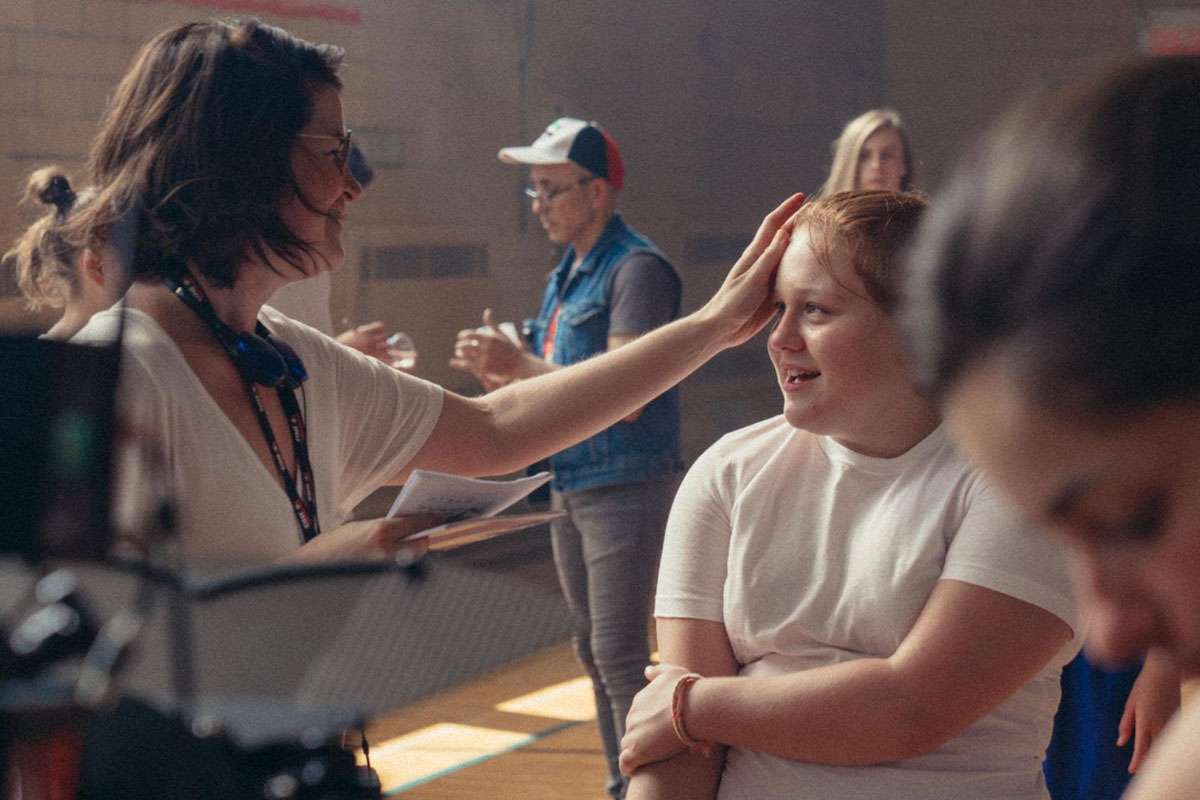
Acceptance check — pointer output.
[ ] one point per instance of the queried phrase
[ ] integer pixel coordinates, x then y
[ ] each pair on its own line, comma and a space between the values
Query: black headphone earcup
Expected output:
259, 357
259, 361
296, 374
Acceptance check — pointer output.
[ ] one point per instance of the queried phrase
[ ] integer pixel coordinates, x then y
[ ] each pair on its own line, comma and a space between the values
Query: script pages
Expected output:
470, 504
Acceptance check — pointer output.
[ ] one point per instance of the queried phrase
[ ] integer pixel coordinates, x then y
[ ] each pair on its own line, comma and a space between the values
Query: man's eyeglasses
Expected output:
342, 155
547, 195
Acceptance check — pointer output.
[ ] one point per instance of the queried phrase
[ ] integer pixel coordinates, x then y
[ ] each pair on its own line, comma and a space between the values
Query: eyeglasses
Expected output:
547, 195
342, 155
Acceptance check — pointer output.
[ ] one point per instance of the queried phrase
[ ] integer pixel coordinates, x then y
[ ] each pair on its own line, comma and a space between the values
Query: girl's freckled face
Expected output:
835, 352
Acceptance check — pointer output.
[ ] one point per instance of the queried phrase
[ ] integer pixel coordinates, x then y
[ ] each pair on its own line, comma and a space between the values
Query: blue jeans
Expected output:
606, 550
1083, 761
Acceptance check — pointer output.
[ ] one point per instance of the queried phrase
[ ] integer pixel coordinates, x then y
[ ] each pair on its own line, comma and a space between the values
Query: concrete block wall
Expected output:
721, 108
952, 65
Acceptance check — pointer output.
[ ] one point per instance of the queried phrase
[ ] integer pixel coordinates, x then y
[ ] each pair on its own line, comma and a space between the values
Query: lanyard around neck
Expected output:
304, 501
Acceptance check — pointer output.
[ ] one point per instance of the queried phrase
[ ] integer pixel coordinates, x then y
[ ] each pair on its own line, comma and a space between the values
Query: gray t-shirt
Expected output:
645, 295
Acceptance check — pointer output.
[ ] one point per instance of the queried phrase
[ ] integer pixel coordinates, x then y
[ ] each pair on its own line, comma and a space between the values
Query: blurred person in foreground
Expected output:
1052, 310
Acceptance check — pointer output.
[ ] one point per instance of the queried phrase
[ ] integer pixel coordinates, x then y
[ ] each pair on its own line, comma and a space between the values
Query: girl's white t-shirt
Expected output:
812, 554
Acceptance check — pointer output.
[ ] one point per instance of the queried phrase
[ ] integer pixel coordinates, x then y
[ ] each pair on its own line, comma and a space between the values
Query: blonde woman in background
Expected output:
873, 152
52, 272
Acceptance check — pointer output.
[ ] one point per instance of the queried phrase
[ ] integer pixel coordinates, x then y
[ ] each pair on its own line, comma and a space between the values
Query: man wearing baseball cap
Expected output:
611, 286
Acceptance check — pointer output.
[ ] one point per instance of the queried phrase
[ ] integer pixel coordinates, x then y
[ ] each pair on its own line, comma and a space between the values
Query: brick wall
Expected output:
721, 109
952, 65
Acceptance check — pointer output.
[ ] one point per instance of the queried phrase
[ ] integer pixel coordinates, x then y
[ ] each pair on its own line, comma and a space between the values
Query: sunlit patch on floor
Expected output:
426, 754
571, 700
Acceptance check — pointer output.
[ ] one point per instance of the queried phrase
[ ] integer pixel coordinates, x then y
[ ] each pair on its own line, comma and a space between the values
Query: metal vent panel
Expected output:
424, 262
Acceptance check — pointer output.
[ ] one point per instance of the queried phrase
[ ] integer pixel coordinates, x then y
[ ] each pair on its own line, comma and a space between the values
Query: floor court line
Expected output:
520, 740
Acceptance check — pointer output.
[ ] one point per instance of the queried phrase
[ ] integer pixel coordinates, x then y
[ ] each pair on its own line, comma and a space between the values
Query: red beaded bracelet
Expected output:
677, 699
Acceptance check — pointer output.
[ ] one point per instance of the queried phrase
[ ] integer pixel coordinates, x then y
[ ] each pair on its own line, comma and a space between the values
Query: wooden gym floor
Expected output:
525, 731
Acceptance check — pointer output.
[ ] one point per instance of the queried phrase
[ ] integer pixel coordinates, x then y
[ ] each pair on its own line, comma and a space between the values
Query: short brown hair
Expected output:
872, 228
194, 151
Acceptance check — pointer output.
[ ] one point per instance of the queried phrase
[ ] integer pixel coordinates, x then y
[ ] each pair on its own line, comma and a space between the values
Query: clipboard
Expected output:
476, 529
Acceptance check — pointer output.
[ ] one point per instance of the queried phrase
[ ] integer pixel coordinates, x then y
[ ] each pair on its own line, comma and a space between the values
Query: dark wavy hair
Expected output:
194, 151
1069, 245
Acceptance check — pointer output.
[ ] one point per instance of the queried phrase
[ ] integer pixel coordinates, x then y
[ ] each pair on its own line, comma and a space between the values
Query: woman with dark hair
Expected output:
223, 157
1054, 299
54, 272
307, 301
845, 609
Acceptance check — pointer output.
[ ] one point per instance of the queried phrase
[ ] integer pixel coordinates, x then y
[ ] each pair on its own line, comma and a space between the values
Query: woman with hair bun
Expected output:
51, 270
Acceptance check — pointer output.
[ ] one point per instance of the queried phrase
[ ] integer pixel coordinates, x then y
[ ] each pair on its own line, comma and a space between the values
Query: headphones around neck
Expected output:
258, 356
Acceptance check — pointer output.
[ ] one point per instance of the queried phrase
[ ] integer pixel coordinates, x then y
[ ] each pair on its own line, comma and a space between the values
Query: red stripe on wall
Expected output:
1174, 41
296, 9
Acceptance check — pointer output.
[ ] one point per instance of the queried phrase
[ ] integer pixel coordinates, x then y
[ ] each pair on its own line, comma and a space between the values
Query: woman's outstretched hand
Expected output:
744, 301
649, 732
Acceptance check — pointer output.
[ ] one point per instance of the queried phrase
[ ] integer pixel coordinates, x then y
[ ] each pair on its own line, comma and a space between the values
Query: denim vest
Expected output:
628, 451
